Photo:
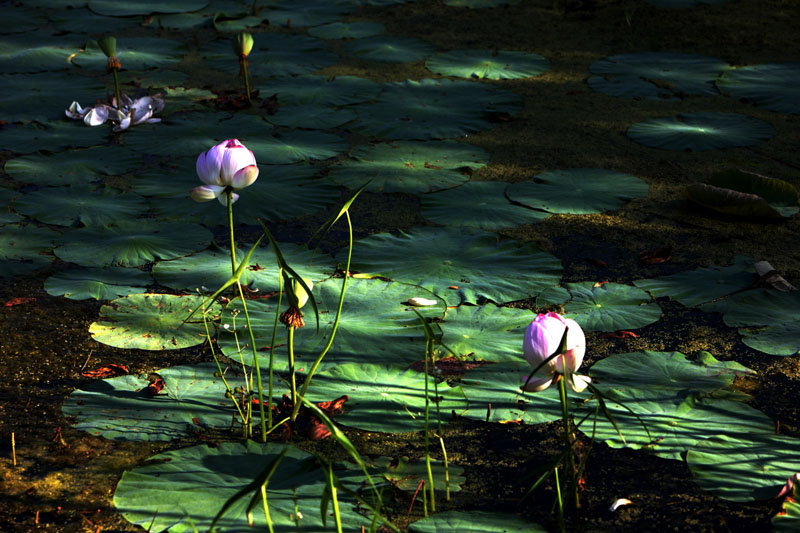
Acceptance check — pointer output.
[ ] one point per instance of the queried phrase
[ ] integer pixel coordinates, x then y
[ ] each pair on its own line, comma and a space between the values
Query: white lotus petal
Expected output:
422, 302
619, 503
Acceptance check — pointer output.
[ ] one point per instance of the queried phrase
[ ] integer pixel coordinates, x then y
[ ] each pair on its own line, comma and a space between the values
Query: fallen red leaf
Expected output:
19, 301
453, 287
318, 431
155, 387
333, 407
621, 334
107, 371
659, 255
599, 284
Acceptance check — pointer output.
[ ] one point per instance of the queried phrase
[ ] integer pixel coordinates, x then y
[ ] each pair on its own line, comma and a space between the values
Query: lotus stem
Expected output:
570, 459
560, 503
243, 63
291, 370
116, 88
428, 351
272, 343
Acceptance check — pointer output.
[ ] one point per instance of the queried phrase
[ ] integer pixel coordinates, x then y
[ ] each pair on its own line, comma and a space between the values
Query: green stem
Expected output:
116, 88
570, 459
291, 366
272, 343
229, 194
428, 351
243, 63
561, 526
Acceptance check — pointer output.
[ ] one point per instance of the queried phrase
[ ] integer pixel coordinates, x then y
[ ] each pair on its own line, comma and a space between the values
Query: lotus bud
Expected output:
556, 346
108, 45
242, 44
298, 295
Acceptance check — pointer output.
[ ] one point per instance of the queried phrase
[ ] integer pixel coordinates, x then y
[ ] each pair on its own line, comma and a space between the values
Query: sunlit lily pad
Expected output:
134, 53
578, 190
73, 167
656, 75
701, 131
120, 408
202, 478
79, 205
294, 146
389, 48
132, 244
411, 167
34, 52
488, 64
434, 109
151, 322
486, 332
478, 204
347, 30
98, 283
474, 521
744, 467
384, 398
610, 306
321, 90
736, 192
773, 86
478, 264
114, 9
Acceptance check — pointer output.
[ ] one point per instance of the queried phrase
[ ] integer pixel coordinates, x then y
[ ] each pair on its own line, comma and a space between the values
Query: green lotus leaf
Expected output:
121, 408
311, 116
478, 204
24, 241
477, 262
151, 322
321, 90
34, 52
389, 48
185, 98
77, 205
407, 476
610, 306
294, 146
40, 96
347, 30
744, 467
701, 131
134, 53
299, 14
56, 135
474, 521
656, 75
780, 339
736, 192
488, 64
22, 20
578, 190
411, 167
132, 244
6, 215
486, 332
384, 398
84, 20
10, 268
73, 167
145, 7
763, 307
773, 86
200, 479
98, 283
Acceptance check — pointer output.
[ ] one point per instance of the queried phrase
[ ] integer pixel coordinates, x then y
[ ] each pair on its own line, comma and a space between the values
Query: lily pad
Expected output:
347, 30
6, 215
121, 408
474, 521
25, 241
478, 204
151, 322
132, 244
656, 75
773, 86
406, 476
384, 398
299, 14
97, 283
76, 205
493, 393
744, 467
610, 306
40, 96
486, 332
702, 285
434, 109
311, 116
321, 90
478, 263
73, 167
56, 135
578, 190
488, 64
697, 132
134, 53
411, 167
735, 192
114, 9
33, 52
389, 48
202, 478
294, 146
779, 312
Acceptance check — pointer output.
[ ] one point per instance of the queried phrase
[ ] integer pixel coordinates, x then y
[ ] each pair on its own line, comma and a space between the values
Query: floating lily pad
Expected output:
21, 20
84, 20
40, 96
114, 9
486, 332
73, 167
311, 116
133, 244
778, 312
411, 167
498, 386
384, 398
773, 86
76, 205
578, 190
488, 64
434, 109
212, 268
321, 90
477, 262
10, 268
389, 48
744, 467
474, 521
478, 204
656, 75
610, 306
293, 146
407, 476
183, 99
6, 197
151, 322
120, 408
18, 241
376, 325
56, 135
134, 53
200, 479
297, 14
33, 52
347, 30
702, 285
735, 192
97, 283
701, 131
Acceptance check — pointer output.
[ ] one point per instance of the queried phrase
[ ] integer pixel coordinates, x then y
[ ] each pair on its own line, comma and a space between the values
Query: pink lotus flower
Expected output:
542, 338
227, 165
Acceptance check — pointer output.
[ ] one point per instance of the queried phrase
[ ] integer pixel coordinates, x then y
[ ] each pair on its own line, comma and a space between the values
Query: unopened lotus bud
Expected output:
242, 44
108, 45
298, 295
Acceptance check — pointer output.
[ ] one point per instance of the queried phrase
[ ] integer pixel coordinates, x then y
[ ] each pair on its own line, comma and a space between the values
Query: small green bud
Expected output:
108, 45
242, 44
298, 295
